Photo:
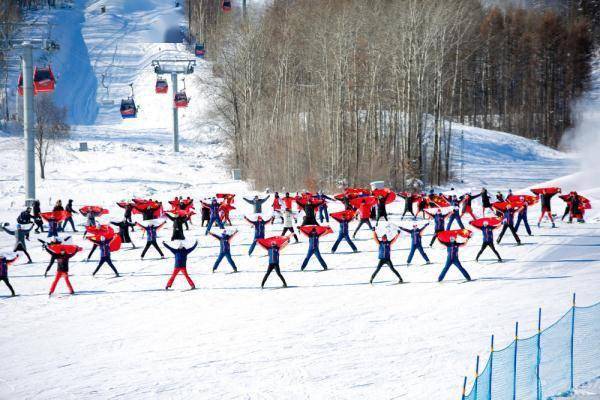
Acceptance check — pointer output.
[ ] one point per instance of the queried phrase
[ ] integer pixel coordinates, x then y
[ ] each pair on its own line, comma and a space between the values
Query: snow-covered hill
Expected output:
331, 335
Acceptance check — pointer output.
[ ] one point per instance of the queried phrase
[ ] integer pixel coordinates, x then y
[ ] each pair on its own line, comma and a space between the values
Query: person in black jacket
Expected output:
381, 208
20, 235
4, 263
37, 217
124, 226
485, 201
178, 223
69, 219
54, 240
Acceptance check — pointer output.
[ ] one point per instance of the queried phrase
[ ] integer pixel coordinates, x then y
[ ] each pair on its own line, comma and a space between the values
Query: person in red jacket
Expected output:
277, 205
364, 211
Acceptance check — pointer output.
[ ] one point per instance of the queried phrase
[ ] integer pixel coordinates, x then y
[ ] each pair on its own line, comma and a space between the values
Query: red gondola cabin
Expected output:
181, 100
43, 80
161, 86
226, 6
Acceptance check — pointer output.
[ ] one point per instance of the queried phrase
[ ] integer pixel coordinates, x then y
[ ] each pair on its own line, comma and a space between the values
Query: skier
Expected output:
20, 235
344, 219
124, 226
151, 235
323, 210
508, 218
415, 242
485, 200
181, 254
522, 217
313, 248
454, 216
104, 244
37, 217
69, 219
438, 223
467, 207
257, 203
364, 210
452, 259
224, 249
385, 253
178, 222
546, 203
288, 223
487, 232
4, 263
214, 215
259, 231
62, 271
273, 252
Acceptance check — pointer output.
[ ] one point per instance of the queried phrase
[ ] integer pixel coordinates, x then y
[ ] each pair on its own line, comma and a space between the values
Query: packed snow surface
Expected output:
330, 335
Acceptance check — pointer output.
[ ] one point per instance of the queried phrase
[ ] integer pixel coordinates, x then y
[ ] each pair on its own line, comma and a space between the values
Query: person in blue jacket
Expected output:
181, 253
151, 236
488, 240
104, 244
256, 202
385, 255
508, 219
415, 242
214, 218
53, 227
522, 217
224, 249
313, 249
452, 259
438, 223
455, 216
344, 234
4, 263
323, 211
273, 251
259, 231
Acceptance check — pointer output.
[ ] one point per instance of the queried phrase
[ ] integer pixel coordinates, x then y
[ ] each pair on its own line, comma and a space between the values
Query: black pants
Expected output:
387, 262
5, 280
379, 216
52, 259
94, 247
291, 230
39, 224
152, 243
567, 211
363, 221
408, 211
277, 271
309, 220
512, 230
69, 220
433, 238
491, 246
20, 247
110, 264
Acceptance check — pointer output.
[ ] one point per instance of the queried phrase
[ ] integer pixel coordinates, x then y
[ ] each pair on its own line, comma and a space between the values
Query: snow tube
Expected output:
69, 249
321, 230
493, 222
93, 209
391, 196
461, 235
343, 215
369, 200
522, 198
56, 215
549, 190
280, 242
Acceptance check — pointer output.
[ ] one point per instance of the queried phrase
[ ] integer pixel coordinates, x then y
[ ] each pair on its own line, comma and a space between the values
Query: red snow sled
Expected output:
101, 230
57, 216
370, 201
85, 210
461, 235
43, 80
550, 190
389, 194
321, 230
341, 216
69, 249
522, 198
493, 222
280, 242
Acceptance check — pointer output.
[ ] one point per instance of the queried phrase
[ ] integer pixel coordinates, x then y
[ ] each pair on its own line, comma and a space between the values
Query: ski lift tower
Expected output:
174, 68
26, 47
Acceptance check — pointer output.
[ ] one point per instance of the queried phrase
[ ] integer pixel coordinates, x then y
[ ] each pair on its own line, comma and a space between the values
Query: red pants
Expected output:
184, 272
60, 274
546, 212
468, 210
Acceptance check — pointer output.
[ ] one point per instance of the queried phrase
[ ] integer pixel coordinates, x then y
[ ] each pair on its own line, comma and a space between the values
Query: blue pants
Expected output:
452, 219
323, 214
253, 245
69, 221
346, 237
226, 255
106, 259
317, 254
412, 253
525, 222
211, 221
450, 262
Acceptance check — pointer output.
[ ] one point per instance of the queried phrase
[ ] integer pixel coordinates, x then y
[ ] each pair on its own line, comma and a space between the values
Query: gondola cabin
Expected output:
199, 50
20, 85
181, 100
226, 6
161, 86
128, 108
43, 80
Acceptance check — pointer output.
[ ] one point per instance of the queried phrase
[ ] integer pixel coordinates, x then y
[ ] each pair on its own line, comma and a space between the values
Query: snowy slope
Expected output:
329, 336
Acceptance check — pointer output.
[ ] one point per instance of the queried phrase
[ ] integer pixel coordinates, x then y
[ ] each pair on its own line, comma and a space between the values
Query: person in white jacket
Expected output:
288, 224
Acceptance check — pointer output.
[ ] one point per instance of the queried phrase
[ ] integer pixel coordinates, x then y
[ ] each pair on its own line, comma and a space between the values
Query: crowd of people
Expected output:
305, 213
